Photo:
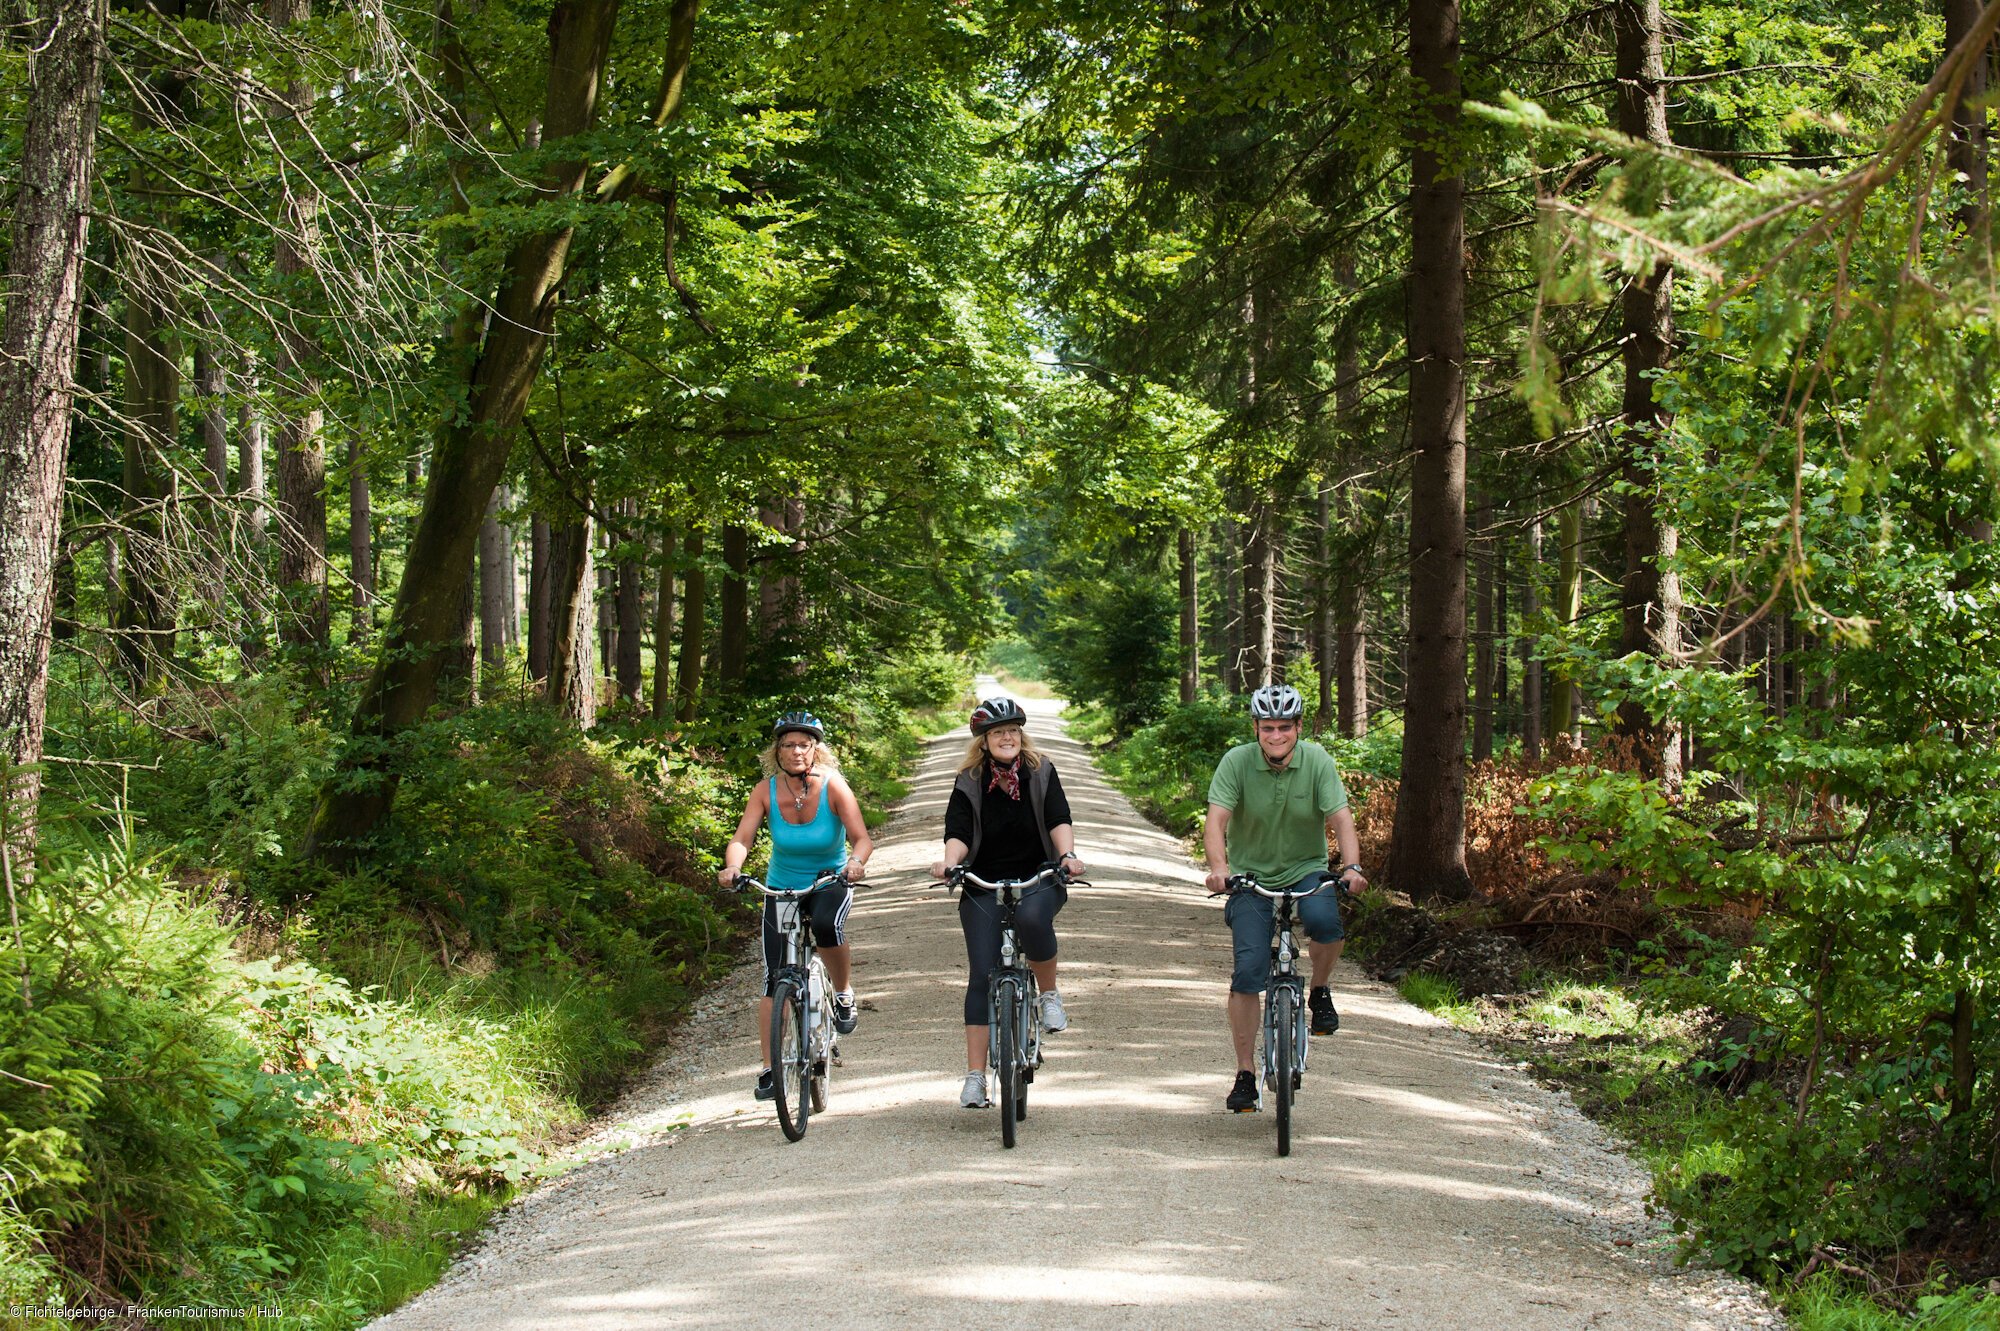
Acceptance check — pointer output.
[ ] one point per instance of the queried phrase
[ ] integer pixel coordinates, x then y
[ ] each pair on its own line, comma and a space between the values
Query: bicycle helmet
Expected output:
1277, 702
805, 721
997, 712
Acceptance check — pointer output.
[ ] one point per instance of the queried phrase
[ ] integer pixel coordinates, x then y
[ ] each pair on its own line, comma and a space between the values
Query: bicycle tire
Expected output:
1285, 1025
1007, 1064
823, 1048
790, 1052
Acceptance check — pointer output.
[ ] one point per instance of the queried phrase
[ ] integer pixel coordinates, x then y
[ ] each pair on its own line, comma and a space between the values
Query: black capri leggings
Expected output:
827, 909
979, 916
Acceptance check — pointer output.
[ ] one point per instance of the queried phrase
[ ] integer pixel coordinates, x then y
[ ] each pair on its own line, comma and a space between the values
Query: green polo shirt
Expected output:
1277, 816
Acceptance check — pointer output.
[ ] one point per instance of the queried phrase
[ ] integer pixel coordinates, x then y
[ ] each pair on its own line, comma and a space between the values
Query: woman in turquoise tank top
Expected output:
815, 825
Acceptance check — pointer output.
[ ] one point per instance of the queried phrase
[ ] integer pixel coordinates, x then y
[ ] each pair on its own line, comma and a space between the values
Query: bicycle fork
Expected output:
1284, 973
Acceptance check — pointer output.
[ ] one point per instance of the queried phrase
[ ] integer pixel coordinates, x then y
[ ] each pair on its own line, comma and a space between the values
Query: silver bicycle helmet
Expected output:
805, 721
1277, 702
997, 712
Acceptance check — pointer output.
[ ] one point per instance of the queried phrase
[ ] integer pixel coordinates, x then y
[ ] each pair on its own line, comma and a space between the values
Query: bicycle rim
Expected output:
789, 1055
1007, 1066
1284, 1018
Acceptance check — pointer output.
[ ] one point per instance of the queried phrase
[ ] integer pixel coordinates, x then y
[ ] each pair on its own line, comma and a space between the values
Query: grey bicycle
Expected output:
1287, 1027
803, 1043
1014, 1037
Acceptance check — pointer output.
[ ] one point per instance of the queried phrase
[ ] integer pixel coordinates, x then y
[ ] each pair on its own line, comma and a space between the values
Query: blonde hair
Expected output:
823, 756
976, 752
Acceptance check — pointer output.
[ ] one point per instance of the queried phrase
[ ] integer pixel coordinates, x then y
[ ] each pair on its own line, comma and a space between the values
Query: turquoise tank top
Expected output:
800, 851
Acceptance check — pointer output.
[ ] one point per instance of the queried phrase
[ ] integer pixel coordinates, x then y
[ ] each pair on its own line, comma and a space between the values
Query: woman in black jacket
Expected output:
1007, 818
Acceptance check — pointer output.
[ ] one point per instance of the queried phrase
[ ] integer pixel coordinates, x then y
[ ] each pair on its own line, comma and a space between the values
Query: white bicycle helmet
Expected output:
1277, 702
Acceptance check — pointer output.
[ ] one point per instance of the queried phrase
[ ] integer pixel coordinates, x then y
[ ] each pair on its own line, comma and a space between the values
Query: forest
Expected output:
435, 440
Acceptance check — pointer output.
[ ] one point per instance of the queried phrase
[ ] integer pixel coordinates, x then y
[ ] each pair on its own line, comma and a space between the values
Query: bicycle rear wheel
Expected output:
1007, 1062
1284, 1026
790, 1059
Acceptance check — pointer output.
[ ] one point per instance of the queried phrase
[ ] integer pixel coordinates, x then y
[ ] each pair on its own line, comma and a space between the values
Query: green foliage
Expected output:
1164, 768
1791, 1187
1826, 1303
1439, 995
1110, 642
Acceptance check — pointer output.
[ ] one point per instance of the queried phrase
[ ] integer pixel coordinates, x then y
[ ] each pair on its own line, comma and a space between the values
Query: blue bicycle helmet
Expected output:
805, 721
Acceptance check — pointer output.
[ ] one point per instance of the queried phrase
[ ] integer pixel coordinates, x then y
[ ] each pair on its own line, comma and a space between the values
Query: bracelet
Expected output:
1069, 855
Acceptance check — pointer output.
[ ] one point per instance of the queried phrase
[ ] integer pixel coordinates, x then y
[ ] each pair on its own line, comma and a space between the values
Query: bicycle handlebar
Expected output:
1243, 882
1053, 875
744, 883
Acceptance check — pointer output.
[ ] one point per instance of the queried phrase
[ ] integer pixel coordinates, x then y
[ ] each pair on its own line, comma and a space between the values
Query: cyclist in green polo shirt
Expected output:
1272, 804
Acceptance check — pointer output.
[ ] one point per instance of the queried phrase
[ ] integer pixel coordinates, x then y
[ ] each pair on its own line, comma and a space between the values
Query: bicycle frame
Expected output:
1014, 1033
801, 978
1284, 1059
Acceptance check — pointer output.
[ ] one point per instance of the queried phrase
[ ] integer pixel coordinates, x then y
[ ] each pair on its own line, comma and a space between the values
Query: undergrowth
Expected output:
244, 1080
1733, 1005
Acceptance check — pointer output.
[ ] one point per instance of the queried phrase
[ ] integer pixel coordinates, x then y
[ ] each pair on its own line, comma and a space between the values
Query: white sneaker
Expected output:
1054, 1018
972, 1095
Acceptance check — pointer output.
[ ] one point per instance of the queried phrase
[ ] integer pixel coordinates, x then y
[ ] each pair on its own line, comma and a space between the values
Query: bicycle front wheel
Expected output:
791, 1054
1007, 1062
1284, 1027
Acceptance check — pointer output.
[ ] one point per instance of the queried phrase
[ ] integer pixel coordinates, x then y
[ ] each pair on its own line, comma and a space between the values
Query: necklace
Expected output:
799, 799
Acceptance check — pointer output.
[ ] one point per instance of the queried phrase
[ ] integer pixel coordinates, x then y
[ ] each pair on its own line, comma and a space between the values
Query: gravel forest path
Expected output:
1431, 1184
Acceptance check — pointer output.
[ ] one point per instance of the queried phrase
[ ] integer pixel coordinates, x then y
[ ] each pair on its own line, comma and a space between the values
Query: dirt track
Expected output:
1430, 1185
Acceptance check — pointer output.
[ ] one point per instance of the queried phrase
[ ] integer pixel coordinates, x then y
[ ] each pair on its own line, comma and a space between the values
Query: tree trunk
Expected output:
1531, 661
1565, 704
539, 628
305, 619
1260, 579
732, 647
470, 455
1502, 640
572, 613
1966, 146
663, 632
496, 574
1427, 848
1351, 649
604, 604
254, 493
631, 610
211, 397
694, 627
250, 483
38, 341
1231, 635
1190, 646
1483, 691
1651, 592
1323, 593
360, 540
146, 615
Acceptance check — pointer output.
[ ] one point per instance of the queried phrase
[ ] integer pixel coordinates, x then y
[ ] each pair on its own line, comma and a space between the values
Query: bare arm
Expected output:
1340, 828
1215, 842
859, 844
738, 849
955, 852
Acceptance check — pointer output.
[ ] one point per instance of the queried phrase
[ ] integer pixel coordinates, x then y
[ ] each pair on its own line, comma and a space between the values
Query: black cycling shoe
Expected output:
1243, 1098
1325, 1020
846, 1013
767, 1089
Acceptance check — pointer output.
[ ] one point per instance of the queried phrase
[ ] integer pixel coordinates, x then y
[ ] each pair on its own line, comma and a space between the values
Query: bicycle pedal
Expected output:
1248, 1109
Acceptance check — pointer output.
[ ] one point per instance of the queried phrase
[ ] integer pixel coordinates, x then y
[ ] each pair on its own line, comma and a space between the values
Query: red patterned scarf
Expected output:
1006, 778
